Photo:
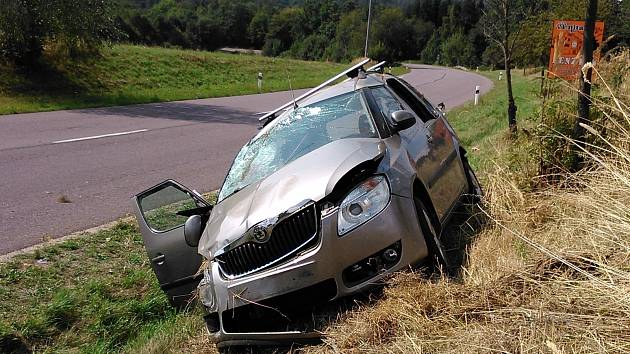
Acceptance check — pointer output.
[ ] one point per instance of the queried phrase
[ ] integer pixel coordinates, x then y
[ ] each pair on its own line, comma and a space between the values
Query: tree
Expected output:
257, 28
285, 27
234, 18
431, 52
423, 31
207, 33
321, 17
26, 26
492, 56
393, 35
502, 23
457, 50
169, 32
312, 47
144, 29
350, 36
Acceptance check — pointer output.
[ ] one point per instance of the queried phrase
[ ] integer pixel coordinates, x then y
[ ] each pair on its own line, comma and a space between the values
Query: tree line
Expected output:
447, 32
429, 30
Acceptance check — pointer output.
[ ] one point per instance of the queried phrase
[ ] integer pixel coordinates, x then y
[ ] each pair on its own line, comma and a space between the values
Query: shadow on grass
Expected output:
466, 224
44, 78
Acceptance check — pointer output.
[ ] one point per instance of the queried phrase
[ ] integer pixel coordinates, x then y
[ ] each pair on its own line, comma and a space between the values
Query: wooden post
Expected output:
584, 95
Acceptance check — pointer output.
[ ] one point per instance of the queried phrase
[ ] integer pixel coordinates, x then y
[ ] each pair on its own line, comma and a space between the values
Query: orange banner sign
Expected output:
565, 58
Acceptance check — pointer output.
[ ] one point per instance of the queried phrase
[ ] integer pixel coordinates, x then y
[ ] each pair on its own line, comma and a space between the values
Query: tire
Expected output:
437, 255
475, 192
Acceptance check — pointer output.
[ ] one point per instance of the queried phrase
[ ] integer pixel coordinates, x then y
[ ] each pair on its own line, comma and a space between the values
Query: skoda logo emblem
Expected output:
260, 234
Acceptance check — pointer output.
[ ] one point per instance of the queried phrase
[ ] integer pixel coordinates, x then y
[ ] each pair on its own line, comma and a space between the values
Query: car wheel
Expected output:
475, 193
437, 254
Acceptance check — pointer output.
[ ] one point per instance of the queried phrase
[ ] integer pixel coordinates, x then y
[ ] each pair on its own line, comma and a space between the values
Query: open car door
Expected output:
161, 212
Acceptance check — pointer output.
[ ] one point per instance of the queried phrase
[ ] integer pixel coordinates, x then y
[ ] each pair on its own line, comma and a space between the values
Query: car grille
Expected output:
289, 236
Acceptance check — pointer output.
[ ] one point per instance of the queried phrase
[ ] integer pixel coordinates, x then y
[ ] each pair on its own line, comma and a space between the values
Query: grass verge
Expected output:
483, 129
95, 293
125, 74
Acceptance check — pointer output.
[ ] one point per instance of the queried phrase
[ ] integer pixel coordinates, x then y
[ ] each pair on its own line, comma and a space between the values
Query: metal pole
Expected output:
367, 33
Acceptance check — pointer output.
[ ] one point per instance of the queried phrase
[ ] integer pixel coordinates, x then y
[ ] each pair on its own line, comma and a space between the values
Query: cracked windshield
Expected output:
296, 134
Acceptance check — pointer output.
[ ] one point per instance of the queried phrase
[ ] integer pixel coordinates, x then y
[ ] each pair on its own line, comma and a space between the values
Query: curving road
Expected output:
67, 171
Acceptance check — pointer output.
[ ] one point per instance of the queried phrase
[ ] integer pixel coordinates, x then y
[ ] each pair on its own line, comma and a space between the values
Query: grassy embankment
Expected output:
126, 74
98, 293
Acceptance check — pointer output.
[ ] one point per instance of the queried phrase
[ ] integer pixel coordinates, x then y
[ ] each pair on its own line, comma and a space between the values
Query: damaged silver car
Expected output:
344, 185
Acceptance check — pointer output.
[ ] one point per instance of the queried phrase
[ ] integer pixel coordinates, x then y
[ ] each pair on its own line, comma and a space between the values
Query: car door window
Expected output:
160, 209
411, 100
422, 99
385, 101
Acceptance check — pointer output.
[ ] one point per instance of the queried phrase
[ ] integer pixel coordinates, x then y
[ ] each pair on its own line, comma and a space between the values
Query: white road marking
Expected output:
99, 136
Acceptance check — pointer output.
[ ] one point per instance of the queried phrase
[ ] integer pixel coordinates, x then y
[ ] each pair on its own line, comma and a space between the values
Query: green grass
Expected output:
97, 293
483, 129
125, 74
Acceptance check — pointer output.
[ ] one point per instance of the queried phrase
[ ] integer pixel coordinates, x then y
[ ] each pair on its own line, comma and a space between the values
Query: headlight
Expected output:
363, 203
206, 290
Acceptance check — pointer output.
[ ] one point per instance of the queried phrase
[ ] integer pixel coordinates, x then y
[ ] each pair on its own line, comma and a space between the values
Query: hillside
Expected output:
125, 74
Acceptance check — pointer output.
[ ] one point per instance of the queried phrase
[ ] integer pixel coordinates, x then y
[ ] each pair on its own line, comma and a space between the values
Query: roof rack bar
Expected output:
377, 66
371, 69
314, 90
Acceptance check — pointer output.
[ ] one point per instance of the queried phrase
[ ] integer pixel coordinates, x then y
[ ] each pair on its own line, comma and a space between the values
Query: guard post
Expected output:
476, 95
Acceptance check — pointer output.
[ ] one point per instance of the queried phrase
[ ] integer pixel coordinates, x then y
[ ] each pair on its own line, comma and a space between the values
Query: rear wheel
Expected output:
437, 254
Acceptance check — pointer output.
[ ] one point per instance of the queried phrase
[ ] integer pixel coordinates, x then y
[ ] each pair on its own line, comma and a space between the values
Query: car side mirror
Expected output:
403, 120
193, 228
441, 106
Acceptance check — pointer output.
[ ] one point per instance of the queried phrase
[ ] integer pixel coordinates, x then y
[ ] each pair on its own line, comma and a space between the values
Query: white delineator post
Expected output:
500, 75
260, 78
476, 95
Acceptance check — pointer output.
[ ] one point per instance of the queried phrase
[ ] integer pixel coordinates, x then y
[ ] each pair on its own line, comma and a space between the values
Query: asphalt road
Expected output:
67, 171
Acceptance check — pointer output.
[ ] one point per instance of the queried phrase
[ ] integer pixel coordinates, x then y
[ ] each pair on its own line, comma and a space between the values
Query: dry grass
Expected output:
550, 272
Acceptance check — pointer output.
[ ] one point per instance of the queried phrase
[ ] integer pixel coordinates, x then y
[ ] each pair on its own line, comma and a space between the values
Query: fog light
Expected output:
390, 255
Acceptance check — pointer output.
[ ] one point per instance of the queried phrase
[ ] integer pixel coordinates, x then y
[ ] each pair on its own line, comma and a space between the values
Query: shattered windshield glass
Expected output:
297, 133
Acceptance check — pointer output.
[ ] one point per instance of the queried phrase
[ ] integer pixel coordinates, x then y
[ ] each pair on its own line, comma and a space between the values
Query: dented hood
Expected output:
310, 177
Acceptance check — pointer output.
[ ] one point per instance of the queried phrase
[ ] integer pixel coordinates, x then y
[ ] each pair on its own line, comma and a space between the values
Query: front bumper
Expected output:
319, 265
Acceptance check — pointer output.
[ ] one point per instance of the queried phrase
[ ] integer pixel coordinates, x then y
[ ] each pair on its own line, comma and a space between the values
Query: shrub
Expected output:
558, 115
